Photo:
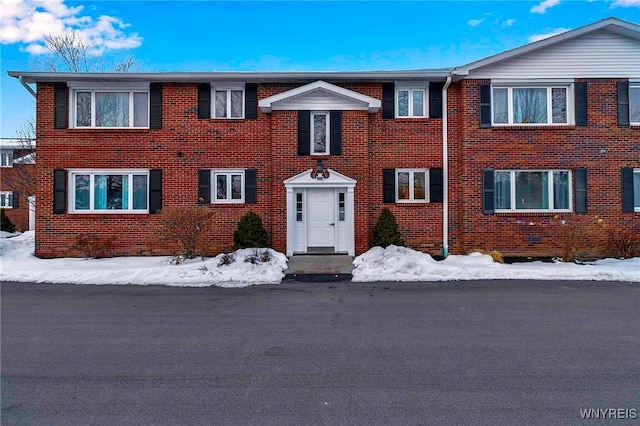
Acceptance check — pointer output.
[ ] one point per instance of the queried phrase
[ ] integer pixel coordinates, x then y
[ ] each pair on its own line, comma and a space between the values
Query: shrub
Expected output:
385, 231
579, 236
496, 256
226, 259
94, 246
184, 225
622, 244
5, 222
250, 232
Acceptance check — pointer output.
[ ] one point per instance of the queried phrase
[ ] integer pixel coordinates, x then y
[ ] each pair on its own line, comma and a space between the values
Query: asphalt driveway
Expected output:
342, 353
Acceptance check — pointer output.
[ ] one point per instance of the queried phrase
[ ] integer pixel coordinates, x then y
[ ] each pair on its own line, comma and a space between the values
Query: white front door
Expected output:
321, 223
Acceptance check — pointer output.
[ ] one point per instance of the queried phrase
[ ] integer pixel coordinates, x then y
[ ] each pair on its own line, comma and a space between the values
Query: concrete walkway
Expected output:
323, 266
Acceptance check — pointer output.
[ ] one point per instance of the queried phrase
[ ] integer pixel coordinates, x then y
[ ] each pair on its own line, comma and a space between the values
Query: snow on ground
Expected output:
17, 263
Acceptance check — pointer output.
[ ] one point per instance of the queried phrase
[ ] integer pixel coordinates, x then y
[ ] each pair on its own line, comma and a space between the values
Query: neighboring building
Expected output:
17, 167
549, 128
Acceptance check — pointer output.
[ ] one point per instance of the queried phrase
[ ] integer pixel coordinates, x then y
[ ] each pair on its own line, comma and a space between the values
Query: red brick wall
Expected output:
10, 178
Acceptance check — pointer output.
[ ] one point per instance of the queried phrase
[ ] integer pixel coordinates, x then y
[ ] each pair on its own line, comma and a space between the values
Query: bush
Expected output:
94, 246
5, 222
250, 232
496, 255
622, 244
184, 225
386, 232
580, 237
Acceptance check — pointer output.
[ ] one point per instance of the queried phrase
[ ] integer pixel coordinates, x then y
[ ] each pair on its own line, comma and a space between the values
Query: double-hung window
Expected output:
6, 199
411, 101
228, 101
109, 191
636, 190
532, 105
6, 158
634, 104
229, 186
532, 190
110, 106
320, 133
411, 185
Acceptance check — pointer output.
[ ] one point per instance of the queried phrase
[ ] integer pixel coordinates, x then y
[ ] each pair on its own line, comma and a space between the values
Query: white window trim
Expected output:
228, 88
411, 88
228, 173
635, 208
75, 87
571, 117
8, 195
91, 210
327, 149
633, 85
411, 198
512, 192
6, 153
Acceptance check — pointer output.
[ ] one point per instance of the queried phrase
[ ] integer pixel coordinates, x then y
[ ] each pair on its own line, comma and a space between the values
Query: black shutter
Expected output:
627, 190
389, 186
304, 132
60, 106
155, 191
388, 101
580, 89
155, 106
204, 100
580, 178
15, 200
435, 185
204, 186
335, 132
251, 101
250, 186
435, 100
485, 105
487, 192
59, 191
623, 103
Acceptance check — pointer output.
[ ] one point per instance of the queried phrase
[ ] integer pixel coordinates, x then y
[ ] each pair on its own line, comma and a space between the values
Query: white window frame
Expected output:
412, 198
411, 88
635, 86
569, 87
636, 208
6, 158
312, 138
6, 199
130, 89
228, 88
92, 173
512, 191
228, 173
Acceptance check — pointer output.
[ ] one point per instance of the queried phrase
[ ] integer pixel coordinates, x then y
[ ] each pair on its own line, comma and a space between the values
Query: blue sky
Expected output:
281, 36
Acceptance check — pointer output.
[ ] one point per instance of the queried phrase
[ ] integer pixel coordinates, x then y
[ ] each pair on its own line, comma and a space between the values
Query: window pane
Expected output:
403, 103
530, 105
418, 103
403, 185
636, 189
236, 187
299, 207
83, 109
419, 179
221, 187
341, 207
561, 190
140, 192
500, 106
140, 110
634, 104
81, 185
236, 103
502, 190
112, 109
559, 105
220, 103
532, 190
319, 133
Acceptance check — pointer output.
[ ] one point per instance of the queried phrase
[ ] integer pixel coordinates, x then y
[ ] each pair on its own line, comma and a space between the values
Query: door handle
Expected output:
332, 224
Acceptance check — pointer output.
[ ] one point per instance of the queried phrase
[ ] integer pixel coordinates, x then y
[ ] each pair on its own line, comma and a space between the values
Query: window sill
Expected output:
107, 129
533, 213
108, 213
534, 127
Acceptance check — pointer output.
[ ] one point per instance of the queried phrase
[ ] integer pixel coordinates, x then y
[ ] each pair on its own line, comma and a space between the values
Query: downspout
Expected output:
26, 86
445, 170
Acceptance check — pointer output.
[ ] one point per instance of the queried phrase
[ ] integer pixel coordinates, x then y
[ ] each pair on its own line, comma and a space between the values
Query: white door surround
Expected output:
320, 213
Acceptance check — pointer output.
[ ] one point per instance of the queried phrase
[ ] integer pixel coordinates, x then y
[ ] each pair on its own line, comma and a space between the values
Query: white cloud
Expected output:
474, 22
28, 22
508, 22
538, 37
626, 3
546, 4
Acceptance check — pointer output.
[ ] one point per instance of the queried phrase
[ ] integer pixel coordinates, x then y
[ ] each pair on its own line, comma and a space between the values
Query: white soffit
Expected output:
320, 95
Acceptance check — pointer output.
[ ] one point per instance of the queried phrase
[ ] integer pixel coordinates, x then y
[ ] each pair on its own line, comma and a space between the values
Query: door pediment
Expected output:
306, 179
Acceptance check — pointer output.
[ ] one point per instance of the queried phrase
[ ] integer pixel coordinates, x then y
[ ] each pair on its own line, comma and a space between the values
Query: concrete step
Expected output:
323, 267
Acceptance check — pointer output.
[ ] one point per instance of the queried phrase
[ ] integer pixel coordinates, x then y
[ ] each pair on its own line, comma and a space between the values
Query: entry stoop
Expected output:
319, 267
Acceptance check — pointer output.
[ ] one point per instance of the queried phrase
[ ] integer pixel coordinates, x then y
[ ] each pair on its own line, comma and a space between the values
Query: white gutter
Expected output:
445, 170
33, 93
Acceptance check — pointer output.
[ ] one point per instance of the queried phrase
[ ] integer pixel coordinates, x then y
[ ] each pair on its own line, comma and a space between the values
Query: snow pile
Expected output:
17, 263
404, 264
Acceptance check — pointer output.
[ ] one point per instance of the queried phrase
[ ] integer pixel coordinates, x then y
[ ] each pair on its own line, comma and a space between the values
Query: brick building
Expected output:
17, 189
477, 156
